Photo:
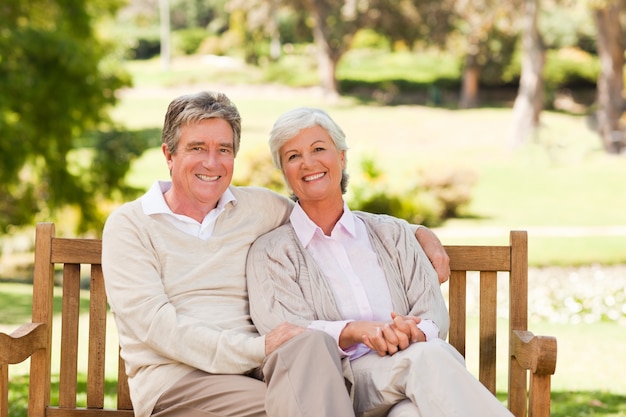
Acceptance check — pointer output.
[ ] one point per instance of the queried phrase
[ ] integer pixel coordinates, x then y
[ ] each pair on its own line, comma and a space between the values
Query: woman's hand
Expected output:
384, 338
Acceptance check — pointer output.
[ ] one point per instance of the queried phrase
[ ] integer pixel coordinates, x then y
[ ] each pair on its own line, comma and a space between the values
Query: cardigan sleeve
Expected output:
403, 258
274, 271
422, 284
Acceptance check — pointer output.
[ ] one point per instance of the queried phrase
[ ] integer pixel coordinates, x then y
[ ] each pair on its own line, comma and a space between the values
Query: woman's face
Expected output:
312, 165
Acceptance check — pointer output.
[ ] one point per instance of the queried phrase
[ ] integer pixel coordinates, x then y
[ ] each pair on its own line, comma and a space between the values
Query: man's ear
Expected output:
167, 154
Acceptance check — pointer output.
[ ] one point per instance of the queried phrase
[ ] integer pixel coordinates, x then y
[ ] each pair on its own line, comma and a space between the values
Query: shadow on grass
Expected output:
588, 403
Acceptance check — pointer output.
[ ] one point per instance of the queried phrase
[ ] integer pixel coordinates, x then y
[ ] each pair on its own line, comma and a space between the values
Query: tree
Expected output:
610, 99
481, 24
57, 80
529, 101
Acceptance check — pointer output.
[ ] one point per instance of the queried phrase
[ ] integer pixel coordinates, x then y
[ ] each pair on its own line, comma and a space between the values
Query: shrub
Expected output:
570, 67
187, 41
259, 170
369, 39
435, 196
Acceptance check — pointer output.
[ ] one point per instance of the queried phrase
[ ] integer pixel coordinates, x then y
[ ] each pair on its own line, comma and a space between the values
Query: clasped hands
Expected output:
385, 338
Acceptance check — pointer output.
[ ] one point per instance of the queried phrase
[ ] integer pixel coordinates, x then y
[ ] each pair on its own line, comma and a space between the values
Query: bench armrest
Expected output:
22, 343
534, 353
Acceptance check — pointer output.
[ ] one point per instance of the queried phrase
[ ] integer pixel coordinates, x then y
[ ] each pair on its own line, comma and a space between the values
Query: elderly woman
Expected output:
361, 278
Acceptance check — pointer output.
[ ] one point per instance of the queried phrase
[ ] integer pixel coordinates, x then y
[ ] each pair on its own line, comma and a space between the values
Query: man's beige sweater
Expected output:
180, 302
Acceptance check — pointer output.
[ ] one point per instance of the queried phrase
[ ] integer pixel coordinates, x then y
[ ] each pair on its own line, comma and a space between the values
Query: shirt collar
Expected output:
153, 201
305, 228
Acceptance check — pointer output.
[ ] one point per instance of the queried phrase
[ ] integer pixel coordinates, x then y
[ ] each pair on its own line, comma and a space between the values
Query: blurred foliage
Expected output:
432, 197
259, 170
58, 79
187, 41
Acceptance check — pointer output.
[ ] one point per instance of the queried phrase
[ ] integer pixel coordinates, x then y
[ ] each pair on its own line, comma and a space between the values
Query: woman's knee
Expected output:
439, 350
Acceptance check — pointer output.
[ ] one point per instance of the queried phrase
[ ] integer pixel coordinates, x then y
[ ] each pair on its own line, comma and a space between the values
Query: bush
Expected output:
187, 41
433, 198
259, 170
369, 39
571, 67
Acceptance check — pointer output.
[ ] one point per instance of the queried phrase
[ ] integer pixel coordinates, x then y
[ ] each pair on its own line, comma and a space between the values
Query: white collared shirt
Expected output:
351, 266
154, 204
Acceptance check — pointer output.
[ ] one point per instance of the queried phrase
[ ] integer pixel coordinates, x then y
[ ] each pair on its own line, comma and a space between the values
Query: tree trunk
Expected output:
326, 63
611, 78
331, 34
471, 81
164, 13
529, 100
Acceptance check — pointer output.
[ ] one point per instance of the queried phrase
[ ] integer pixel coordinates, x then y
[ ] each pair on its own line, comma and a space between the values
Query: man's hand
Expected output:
435, 252
281, 334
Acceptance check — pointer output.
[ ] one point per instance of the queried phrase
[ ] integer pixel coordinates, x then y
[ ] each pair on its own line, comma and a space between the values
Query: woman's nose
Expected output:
308, 159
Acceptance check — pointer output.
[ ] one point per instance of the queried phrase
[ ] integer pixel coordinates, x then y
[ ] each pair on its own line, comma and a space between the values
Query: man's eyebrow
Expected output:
203, 143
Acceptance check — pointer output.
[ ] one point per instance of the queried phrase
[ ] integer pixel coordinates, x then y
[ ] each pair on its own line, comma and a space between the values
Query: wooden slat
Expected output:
518, 319
69, 336
87, 412
487, 332
97, 339
479, 258
4, 390
43, 286
79, 251
457, 307
123, 395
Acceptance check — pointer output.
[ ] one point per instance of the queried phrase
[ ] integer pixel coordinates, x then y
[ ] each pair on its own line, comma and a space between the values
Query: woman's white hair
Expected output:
290, 123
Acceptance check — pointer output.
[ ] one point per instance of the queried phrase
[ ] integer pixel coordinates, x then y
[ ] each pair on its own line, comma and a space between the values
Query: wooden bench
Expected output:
530, 357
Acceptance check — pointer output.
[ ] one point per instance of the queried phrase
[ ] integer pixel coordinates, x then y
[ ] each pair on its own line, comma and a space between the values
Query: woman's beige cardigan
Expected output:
286, 284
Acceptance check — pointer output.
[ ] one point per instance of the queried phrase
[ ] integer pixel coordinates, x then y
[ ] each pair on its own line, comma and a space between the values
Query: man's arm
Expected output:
435, 252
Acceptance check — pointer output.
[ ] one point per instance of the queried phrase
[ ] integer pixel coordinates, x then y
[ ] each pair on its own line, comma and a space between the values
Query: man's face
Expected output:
201, 168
